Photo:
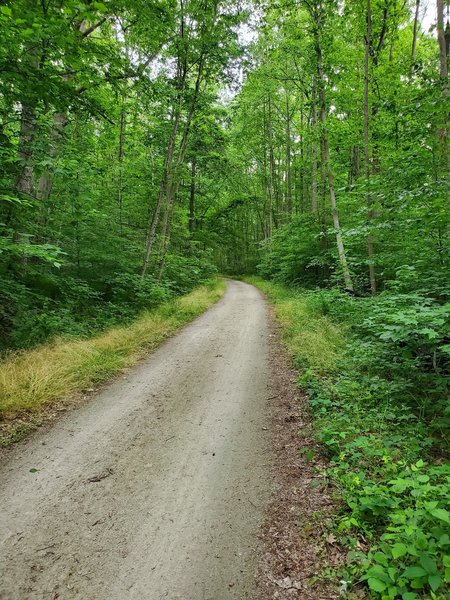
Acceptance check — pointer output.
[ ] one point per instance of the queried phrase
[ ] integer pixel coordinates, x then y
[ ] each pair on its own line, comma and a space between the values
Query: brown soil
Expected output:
296, 543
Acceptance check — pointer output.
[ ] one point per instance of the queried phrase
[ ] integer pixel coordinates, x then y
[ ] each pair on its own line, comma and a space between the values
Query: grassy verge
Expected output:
34, 381
386, 459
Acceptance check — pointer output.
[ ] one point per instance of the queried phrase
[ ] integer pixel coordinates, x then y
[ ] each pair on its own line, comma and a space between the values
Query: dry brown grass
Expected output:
33, 380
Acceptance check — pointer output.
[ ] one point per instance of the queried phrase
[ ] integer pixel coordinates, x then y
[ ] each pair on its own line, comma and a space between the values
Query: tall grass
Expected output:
313, 340
33, 380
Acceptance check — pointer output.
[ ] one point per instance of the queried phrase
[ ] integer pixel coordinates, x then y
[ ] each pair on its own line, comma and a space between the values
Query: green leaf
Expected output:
377, 572
398, 550
100, 6
413, 572
435, 581
430, 333
417, 583
6, 10
428, 564
381, 558
376, 585
442, 514
392, 592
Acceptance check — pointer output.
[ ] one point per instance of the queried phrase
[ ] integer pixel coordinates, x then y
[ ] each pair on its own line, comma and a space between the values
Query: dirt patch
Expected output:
296, 544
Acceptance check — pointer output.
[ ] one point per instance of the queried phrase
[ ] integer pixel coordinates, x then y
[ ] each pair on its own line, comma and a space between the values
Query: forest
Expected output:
148, 145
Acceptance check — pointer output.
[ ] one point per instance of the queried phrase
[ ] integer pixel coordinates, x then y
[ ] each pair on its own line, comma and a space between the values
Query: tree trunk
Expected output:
174, 176
266, 182
24, 180
271, 165
443, 72
370, 240
165, 237
120, 155
314, 203
414, 40
45, 183
151, 232
334, 209
171, 180
326, 149
174, 180
192, 197
288, 157
443, 49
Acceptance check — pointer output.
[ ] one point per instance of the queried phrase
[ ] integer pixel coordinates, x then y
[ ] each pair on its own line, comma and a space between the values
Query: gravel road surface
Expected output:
156, 488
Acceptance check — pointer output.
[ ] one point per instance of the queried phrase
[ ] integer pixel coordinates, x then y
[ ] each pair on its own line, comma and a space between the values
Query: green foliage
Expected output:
378, 408
128, 176
85, 93
126, 289
181, 272
62, 305
294, 254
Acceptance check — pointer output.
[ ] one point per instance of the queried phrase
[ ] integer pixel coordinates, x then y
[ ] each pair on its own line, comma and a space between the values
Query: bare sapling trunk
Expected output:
314, 153
370, 239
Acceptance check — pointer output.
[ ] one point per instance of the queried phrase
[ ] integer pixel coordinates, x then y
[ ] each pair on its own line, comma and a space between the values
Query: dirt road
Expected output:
156, 488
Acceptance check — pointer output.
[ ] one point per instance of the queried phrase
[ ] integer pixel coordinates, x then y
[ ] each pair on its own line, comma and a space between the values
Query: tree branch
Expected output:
86, 32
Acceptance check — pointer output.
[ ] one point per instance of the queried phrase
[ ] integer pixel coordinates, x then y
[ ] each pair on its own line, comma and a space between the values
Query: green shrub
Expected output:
47, 304
296, 255
379, 408
183, 273
129, 288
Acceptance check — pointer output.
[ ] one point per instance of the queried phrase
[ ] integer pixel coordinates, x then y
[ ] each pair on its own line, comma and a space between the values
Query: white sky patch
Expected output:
248, 34
427, 14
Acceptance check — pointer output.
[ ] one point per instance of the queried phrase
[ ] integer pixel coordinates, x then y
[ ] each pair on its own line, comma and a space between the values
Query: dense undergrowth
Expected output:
376, 371
38, 304
33, 380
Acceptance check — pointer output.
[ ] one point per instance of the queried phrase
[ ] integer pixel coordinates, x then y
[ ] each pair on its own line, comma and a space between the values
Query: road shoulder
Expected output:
295, 545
